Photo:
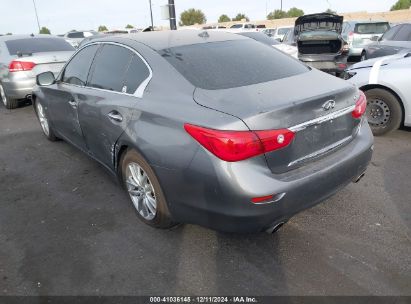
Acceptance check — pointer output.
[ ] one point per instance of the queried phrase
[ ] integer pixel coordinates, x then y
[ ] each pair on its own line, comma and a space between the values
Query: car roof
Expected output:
16, 37
170, 39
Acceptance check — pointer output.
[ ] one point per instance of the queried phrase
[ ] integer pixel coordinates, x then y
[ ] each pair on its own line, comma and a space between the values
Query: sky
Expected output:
60, 16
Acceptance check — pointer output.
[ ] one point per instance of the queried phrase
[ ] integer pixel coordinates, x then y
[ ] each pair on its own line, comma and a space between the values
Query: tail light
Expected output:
234, 146
18, 66
350, 36
360, 106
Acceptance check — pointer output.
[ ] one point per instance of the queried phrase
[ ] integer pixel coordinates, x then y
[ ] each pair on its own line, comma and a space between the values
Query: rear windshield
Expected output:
230, 64
371, 28
237, 26
37, 45
283, 31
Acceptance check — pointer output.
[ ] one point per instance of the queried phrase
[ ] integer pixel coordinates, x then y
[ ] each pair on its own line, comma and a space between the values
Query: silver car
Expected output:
22, 57
76, 37
386, 84
360, 34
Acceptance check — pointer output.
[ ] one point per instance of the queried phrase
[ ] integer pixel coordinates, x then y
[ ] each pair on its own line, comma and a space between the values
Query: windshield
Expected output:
371, 28
237, 26
230, 64
37, 45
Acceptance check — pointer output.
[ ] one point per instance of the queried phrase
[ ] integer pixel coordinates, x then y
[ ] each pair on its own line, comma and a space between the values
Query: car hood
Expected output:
319, 22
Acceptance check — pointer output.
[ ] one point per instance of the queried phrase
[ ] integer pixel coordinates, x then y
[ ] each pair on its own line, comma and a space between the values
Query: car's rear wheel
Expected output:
384, 112
145, 191
44, 122
8, 102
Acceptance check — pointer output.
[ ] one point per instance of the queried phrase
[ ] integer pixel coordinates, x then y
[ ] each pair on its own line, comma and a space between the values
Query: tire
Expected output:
384, 112
142, 191
8, 102
44, 121
363, 56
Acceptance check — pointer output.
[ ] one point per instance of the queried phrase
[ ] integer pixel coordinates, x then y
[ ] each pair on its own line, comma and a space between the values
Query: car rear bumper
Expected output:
218, 194
19, 89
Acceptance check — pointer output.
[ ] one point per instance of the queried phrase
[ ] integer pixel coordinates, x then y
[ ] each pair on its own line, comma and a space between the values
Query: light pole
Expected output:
172, 11
151, 15
37, 17
281, 5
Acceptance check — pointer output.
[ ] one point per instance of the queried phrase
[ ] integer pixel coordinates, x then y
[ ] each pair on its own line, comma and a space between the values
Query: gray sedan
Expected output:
22, 57
207, 127
386, 83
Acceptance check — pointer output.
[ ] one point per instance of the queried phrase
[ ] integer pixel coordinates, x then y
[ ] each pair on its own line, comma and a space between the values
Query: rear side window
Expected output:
135, 75
109, 68
371, 28
77, 69
404, 34
37, 45
229, 64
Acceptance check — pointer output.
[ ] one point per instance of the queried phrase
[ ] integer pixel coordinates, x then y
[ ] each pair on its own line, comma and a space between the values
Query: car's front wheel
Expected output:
44, 121
384, 112
363, 56
8, 102
145, 191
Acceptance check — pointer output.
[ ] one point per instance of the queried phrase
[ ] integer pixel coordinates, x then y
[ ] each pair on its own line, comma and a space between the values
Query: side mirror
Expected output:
375, 38
45, 79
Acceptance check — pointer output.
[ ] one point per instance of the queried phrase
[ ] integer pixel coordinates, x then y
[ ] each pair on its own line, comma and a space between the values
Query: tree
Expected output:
102, 28
401, 4
295, 12
44, 30
240, 17
330, 11
224, 18
129, 26
277, 14
192, 16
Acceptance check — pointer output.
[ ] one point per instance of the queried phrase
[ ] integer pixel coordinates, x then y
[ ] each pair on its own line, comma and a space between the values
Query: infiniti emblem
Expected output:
329, 105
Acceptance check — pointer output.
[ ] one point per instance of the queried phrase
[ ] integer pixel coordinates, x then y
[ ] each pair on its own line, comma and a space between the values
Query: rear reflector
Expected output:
234, 146
257, 200
360, 106
18, 66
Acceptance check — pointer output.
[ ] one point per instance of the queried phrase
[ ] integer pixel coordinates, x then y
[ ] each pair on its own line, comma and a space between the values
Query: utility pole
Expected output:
151, 15
37, 17
172, 11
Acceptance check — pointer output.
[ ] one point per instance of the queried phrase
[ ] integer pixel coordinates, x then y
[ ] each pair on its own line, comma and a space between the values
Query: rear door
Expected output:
63, 97
115, 87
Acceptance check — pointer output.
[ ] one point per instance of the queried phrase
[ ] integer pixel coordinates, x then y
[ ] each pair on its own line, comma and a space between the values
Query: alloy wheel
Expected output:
141, 191
43, 119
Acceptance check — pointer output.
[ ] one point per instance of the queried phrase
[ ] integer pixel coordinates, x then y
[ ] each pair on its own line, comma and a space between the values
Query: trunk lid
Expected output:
270, 105
46, 61
316, 22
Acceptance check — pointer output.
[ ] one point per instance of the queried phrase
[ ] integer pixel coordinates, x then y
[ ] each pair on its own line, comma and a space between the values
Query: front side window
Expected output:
76, 71
230, 64
389, 35
109, 68
404, 34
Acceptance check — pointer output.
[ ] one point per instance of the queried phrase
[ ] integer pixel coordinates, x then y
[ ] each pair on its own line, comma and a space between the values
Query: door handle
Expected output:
116, 116
73, 103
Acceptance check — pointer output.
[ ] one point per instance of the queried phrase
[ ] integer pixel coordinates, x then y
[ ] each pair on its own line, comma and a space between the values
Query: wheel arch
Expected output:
382, 87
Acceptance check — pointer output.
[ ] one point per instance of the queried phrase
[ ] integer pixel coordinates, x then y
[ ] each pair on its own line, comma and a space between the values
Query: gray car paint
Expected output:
199, 187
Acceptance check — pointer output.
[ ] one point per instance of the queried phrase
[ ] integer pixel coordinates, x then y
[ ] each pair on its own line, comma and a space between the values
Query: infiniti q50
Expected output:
209, 128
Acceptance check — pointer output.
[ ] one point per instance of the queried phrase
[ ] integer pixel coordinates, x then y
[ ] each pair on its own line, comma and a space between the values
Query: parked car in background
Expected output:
243, 27
359, 34
222, 143
386, 83
269, 31
288, 49
319, 42
76, 37
22, 57
396, 39
281, 32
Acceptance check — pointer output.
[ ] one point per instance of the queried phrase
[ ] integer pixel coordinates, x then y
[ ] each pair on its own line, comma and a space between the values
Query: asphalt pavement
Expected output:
67, 228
